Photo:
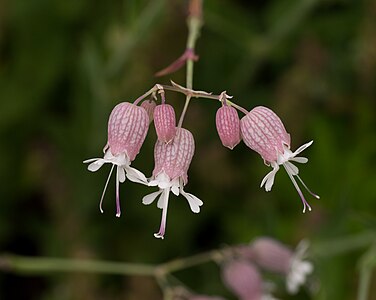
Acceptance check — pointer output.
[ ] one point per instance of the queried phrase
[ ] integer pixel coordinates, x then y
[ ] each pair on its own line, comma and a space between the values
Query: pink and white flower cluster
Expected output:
260, 129
127, 129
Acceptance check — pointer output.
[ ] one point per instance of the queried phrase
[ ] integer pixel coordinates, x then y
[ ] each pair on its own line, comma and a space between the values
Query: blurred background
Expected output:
65, 64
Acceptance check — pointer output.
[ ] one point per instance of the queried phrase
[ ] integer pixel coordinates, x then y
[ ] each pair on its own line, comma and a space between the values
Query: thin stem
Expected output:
191, 261
194, 26
40, 265
149, 92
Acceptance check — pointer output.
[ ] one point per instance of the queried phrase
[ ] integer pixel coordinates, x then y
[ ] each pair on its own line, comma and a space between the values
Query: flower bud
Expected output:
149, 106
243, 279
228, 126
127, 129
165, 122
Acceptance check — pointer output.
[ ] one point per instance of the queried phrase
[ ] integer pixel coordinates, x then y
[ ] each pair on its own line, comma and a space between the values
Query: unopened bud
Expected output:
228, 126
165, 122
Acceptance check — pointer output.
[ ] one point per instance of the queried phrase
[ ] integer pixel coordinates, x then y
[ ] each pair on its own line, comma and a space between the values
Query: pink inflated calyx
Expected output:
127, 128
263, 131
175, 158
149, 106
165, 122
172, 162
228, 126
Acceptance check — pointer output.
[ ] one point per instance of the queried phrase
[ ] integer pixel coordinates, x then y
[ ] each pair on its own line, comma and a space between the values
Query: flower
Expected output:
228, 127
263, 131
244, 280
172, 161
127, 128
276, 257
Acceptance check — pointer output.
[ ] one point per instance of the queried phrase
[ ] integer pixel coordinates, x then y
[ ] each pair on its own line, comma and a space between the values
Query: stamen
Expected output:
308, 190
162, 228
105, 188
118, 211
305, 203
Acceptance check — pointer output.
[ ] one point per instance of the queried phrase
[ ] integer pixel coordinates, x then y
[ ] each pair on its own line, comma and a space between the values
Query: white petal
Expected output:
268, 180
293, 169
148, 199
135, 175
121, 174
90, 160
301, 160
175, 190
193, 201
162, 198
302, 148
95, 166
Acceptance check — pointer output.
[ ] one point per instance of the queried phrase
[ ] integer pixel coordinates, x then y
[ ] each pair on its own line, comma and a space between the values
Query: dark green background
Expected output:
65, 64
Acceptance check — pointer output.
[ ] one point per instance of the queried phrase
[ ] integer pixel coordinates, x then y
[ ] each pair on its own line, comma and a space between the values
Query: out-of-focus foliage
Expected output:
65, 64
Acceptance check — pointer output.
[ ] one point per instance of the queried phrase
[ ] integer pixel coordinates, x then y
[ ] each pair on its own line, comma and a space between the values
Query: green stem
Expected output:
194, 27
40, 265
191, 261
367, 263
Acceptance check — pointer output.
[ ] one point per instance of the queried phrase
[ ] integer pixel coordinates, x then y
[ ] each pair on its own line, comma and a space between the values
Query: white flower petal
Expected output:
268, 180
302, 148
95, 166
121, 174
135, 175
175, 190
162, 198
148, 199
301, 160
292, 168
193, 201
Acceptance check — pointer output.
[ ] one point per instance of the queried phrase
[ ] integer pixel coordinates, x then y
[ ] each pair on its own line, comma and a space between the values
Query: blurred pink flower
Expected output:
127, 128
273, 256
170, 174
244, 280
262, 131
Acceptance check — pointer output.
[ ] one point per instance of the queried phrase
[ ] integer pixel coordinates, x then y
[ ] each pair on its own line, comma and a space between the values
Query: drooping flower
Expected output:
127, 128
244, 280
275, 257
263, 131
165, 122
172, 161
228, 126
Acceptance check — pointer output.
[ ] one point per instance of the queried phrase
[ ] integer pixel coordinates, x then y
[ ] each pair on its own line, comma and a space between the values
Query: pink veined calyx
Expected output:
127, 128
172, 162
263, 131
